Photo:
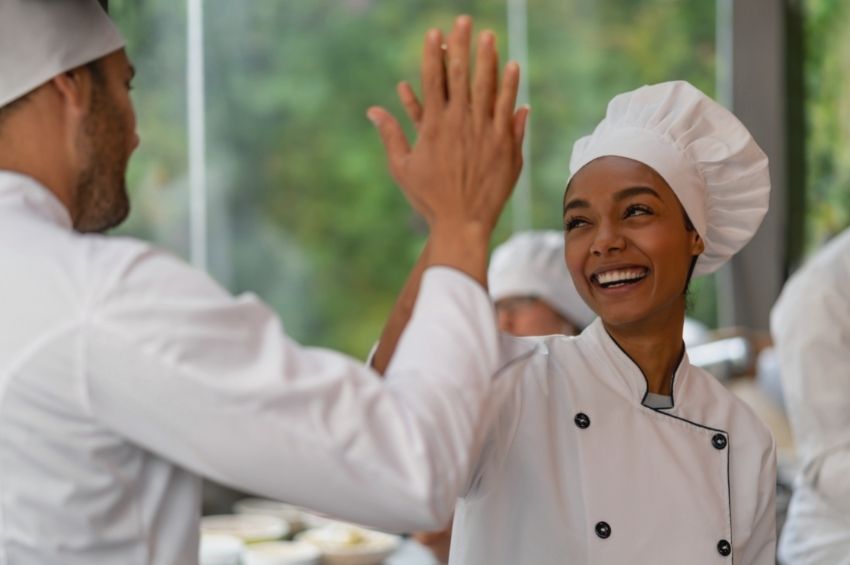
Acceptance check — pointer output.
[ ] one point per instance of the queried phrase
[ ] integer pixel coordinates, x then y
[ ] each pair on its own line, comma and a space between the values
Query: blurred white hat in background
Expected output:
531, 263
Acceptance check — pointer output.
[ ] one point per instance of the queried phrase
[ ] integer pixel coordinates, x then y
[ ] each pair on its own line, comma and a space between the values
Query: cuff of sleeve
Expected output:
453, 312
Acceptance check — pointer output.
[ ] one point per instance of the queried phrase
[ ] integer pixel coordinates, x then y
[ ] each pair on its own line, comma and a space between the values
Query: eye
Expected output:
572, 223
637, 210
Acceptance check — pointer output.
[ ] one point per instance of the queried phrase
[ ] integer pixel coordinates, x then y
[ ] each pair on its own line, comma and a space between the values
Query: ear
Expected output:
74, 88
697, 244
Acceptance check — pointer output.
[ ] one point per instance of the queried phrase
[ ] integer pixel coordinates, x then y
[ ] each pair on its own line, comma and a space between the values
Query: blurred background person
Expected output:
532, 289
811, 329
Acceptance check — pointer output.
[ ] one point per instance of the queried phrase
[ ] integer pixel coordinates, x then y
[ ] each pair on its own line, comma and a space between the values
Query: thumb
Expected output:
520, 121
395, 142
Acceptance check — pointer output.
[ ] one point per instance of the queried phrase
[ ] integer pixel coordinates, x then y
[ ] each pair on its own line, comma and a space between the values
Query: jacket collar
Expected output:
26, 192
621, 371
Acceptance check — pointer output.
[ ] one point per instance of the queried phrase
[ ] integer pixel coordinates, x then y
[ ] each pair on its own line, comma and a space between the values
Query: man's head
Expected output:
532, 288
66, 118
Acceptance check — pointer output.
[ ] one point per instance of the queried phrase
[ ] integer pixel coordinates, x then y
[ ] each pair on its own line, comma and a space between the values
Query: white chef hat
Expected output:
40, 39
532, 263
705, 154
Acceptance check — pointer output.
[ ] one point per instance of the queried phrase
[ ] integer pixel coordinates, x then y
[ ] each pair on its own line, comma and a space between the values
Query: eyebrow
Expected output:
132, 72
618, 197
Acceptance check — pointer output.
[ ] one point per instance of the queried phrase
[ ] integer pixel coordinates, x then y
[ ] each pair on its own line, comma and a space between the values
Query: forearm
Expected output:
464, 249
400, 315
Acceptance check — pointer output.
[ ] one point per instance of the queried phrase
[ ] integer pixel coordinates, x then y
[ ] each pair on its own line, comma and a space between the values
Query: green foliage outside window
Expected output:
302, 211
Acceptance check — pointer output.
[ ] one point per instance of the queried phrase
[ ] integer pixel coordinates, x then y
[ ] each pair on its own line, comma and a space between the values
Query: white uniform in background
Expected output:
125, 375
578, 471
811, 329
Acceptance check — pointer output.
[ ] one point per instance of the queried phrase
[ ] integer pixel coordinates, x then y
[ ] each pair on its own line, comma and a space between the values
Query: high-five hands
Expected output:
468, 152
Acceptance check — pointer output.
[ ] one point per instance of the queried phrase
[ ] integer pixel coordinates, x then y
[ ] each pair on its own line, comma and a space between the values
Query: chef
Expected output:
613, 448
532, 289
127, 375
534, 296
811, 329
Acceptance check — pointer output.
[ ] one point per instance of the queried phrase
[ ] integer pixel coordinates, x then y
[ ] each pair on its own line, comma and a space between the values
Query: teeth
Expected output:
620, 276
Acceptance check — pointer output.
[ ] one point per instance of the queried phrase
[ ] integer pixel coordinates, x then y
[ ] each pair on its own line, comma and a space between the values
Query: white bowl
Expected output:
282, 553
250, 528
347, 544
219, 549
291, 514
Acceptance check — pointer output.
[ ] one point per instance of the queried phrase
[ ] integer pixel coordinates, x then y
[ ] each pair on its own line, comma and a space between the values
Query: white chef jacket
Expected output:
125, 375
577, 471
811, 329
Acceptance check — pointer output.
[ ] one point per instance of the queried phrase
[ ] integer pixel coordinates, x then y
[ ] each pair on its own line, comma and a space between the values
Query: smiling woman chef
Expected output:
610, 447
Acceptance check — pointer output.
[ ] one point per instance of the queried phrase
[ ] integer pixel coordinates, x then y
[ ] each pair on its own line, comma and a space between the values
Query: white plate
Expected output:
293, 515
219, 549
247, 527
346, 544
282, 553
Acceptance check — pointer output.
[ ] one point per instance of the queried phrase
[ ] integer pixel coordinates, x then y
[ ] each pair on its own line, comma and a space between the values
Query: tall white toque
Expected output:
706, 155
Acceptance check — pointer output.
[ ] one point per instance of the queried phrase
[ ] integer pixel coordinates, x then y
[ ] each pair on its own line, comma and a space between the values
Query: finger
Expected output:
433, 72
506, 100
392, 136
410, 102
520, 123
458, 63
486, 76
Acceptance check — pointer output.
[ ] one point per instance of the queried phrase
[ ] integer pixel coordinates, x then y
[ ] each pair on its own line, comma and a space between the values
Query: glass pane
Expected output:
301, 208
157, 176
827, 67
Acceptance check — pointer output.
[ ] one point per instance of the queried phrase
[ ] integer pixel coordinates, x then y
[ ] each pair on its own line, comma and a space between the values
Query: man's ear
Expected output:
74, 88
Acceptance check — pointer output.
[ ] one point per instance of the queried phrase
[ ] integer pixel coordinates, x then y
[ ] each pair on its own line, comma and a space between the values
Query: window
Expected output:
300, 208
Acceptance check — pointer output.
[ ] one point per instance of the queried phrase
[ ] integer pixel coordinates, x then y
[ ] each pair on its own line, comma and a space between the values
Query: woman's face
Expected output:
626, 242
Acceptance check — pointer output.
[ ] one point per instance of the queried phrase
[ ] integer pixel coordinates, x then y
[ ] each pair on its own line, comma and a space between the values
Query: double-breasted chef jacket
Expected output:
577, 471
811, 329
125, 375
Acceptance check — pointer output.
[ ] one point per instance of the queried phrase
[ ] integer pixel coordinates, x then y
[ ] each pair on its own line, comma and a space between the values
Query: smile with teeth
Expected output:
619, 277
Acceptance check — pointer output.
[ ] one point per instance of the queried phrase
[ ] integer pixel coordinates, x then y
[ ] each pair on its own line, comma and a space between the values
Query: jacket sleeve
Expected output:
176, 365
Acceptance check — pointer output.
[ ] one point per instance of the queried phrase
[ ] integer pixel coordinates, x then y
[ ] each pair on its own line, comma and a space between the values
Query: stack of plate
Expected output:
252, 536
250, 528
292, 515
219, 549
282, 553
347, 544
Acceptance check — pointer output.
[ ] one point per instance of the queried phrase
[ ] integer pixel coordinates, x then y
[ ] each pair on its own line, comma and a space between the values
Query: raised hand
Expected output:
468, 151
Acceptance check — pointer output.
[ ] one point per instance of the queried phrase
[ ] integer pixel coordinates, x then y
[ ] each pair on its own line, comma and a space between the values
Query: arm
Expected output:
172, 363
400, 314
175, 365
455, 120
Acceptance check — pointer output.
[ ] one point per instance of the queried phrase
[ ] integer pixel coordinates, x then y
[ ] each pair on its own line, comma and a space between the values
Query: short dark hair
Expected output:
97, 77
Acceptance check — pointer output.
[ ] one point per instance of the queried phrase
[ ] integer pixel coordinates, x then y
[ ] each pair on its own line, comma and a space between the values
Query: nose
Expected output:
607, 239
